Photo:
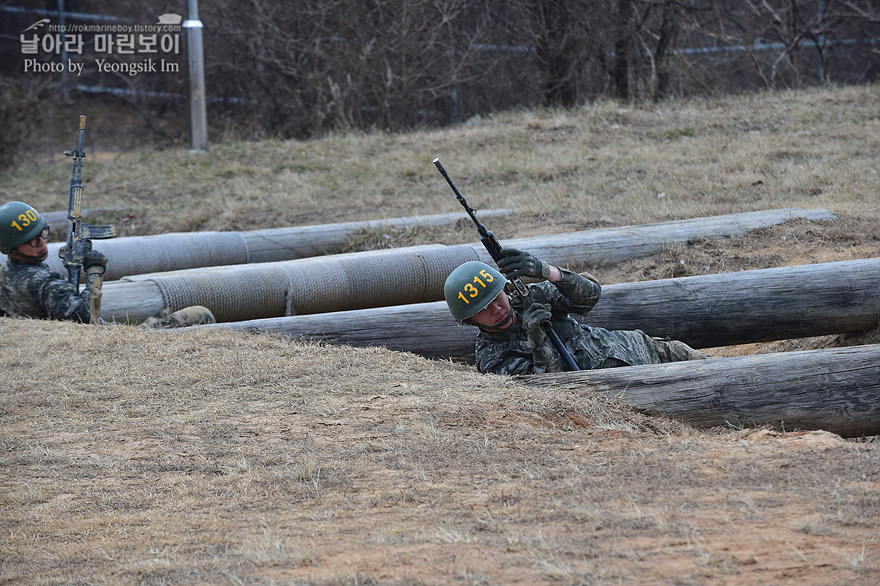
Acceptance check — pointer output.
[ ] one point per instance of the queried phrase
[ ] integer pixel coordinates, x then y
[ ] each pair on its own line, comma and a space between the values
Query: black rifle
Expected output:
79, 234
516, 286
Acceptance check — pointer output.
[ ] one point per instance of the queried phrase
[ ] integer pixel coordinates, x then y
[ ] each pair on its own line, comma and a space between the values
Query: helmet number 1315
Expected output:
471, 290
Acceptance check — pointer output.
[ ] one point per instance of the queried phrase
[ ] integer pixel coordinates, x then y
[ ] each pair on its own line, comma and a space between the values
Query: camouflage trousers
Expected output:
663, 350
188, 316
675, 351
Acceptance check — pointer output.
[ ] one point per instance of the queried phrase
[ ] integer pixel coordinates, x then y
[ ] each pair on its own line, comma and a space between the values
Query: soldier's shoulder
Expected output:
23, 268
23, 272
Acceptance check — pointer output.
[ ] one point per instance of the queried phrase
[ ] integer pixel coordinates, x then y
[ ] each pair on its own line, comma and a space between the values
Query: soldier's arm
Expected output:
61, 300
573, 292
516, 357
504, 357
544, 359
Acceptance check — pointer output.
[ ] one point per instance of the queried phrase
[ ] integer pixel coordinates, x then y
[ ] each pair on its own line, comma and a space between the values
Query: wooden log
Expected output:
836, 390
611, 245
135, 255
191, 251
274, 244
427, 329
704, 311
219, 287
598, 246
748, 306
133, 303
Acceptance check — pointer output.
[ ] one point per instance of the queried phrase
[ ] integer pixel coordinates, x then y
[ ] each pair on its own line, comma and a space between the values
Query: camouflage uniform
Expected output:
38, 292
510, 351
188, 316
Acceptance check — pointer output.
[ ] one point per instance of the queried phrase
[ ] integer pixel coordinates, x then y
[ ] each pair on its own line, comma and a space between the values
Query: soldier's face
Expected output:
29, 250
497, 315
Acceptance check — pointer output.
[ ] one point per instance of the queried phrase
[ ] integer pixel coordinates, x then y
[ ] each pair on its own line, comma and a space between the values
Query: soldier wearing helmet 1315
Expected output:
30, 288
512, 339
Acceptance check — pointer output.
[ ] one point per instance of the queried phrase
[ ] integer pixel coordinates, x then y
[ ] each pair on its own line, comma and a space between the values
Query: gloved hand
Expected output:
94, 262
534, 318
518, 263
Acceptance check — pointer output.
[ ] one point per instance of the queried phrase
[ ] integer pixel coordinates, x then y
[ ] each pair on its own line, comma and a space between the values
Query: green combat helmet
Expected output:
470, 288
19, 223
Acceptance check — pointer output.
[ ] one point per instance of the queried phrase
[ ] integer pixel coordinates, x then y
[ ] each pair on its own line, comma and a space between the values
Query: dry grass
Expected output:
603, 164
132, 456
138, 457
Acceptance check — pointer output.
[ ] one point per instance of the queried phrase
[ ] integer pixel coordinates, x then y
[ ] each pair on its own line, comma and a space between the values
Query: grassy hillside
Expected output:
604, 164
211, 457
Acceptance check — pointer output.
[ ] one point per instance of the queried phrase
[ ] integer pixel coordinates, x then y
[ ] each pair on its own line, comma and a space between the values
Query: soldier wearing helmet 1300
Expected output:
512, 339
30, 288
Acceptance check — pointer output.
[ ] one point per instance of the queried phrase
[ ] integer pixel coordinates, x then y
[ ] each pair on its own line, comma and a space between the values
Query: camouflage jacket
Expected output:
511, 351
36, 291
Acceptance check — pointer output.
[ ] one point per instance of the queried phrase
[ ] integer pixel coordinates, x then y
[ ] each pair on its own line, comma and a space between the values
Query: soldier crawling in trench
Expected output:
29, 288
513, 338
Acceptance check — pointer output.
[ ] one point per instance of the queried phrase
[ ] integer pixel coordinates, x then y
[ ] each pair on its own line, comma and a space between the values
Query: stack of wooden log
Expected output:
835, 389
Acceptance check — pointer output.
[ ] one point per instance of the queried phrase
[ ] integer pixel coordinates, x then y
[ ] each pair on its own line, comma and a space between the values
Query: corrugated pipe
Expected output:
313, 285
138, 255
396, 276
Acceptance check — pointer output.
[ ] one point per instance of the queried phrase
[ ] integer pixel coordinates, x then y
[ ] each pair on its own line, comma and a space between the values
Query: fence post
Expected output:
197, 97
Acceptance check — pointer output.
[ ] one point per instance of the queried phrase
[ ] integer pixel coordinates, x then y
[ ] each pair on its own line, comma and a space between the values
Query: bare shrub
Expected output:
22, 106
333, 64
746, 44
276, 69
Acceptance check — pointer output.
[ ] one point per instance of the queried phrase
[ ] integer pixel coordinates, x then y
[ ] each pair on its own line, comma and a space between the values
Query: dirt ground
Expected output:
211, 457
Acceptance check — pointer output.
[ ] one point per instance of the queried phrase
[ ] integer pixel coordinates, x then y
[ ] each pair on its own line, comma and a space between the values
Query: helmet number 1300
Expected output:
26, 219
